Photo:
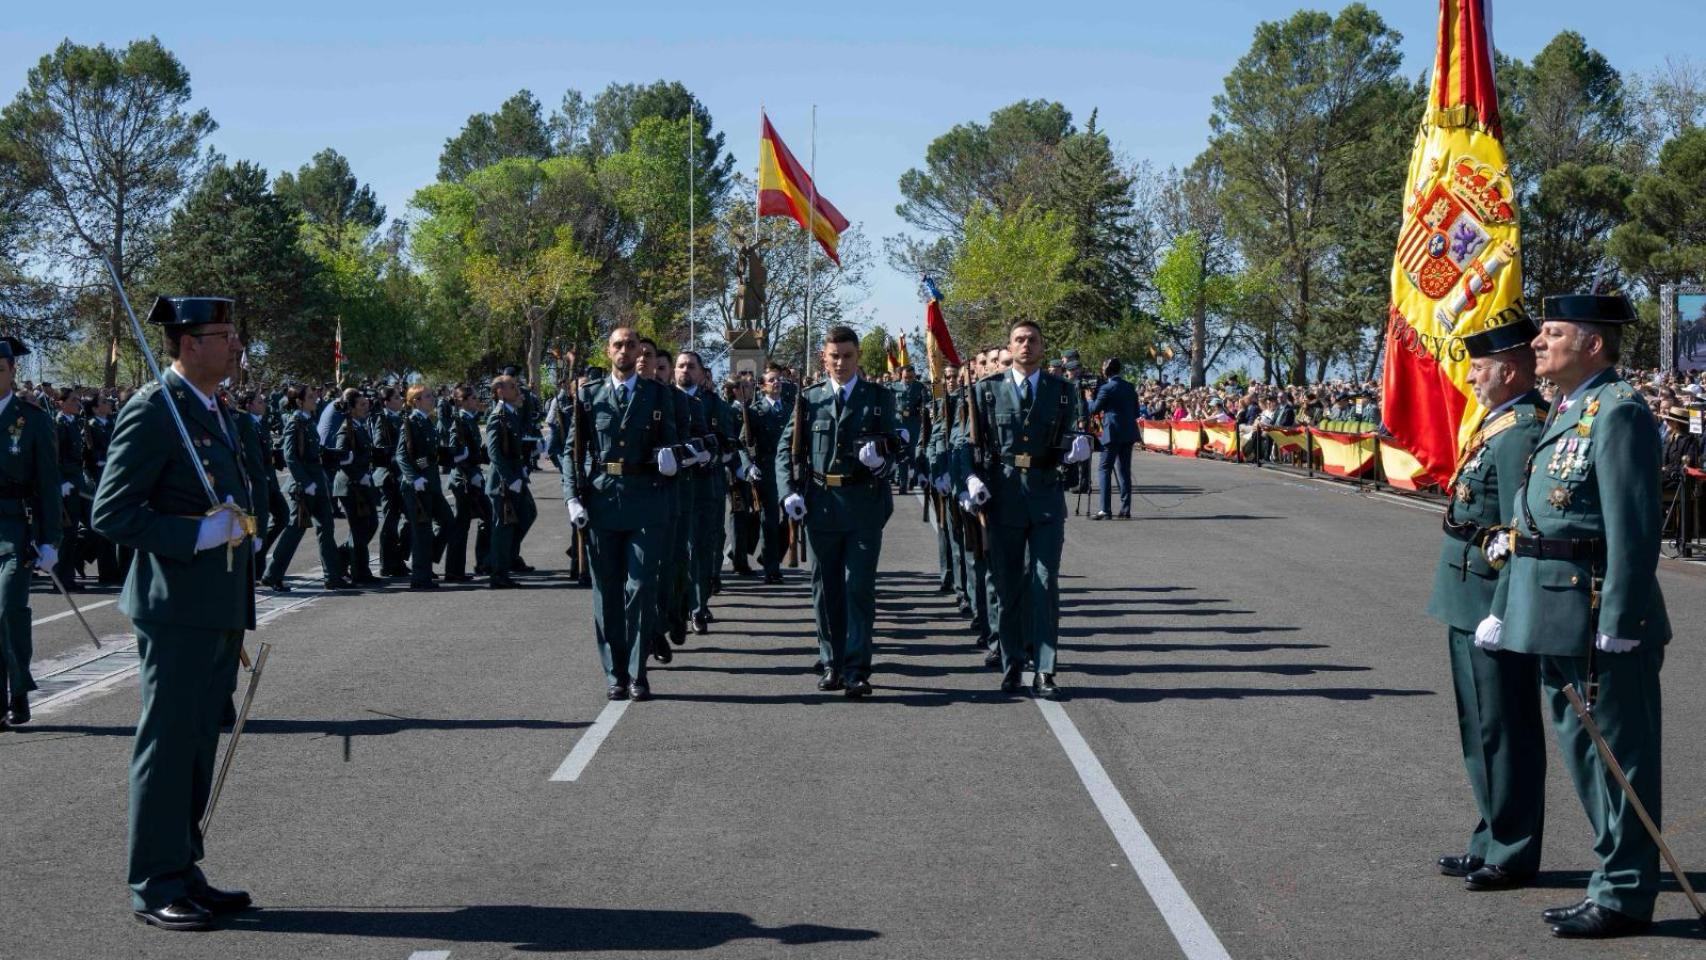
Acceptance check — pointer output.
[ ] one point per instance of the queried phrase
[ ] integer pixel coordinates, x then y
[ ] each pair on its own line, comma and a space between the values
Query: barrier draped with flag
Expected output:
785, 189
1457, 269
1187, 438
1221, 437
1157, 435
1345, 454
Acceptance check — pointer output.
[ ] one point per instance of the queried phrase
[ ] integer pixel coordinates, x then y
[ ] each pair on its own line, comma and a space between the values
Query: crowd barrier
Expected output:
1362, 458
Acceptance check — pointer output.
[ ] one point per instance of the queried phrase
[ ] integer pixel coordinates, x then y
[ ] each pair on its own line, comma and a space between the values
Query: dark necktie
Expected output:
839, 395
1025, 395
622, 398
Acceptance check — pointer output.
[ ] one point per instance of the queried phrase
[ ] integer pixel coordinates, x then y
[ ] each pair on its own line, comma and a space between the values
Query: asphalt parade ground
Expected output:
1256, 757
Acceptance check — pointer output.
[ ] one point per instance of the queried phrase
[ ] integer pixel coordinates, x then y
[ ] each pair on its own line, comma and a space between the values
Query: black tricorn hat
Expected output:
11, 348
1612, 308
192, 311
1506, 336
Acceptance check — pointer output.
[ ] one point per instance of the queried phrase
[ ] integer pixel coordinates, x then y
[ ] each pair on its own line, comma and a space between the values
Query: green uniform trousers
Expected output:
188, 675
507, 537
318, 511
624, 597
1504, 750
17, 646
429, 528
844, 597
1024, 564
1627, 712
704, 552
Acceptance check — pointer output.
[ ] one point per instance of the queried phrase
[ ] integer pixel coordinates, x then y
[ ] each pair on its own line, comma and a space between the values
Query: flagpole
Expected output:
811, 237
690, 235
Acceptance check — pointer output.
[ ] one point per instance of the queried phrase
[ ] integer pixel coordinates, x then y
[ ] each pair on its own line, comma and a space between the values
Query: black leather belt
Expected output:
1467, 532
616, 468
1559, 548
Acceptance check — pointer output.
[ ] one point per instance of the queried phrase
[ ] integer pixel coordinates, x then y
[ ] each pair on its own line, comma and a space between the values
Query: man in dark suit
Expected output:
1116, 401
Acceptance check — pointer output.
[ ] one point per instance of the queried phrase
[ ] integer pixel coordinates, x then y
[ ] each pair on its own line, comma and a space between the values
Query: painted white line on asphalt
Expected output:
430, 955
589, 742
1196, 938
62, 615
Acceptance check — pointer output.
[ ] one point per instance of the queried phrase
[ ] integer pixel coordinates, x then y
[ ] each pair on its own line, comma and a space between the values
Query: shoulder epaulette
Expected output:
991, 378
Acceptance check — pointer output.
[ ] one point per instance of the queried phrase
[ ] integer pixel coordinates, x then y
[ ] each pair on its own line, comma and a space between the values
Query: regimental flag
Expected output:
938, 342
1457, 270
785, 189
892, 358
900, 353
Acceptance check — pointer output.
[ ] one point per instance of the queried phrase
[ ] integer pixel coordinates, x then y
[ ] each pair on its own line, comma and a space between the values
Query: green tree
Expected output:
1294, 132
1094, 196
1011, 267
105, 142
235, 238
26, 304
337, 209
1000, 166
605, 126
1664, 239
517, 129
874, 353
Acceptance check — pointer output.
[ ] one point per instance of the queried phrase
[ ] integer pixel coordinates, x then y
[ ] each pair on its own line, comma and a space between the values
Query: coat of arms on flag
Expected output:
1446, 231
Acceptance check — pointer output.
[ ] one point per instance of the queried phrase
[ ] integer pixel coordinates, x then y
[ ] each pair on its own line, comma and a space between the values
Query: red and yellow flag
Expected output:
901, 354
1458, 268
785, 189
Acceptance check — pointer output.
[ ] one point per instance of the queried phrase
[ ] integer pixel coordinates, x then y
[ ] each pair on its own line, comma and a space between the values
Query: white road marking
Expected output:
66, 613
589, 742
1196, 938
430, 955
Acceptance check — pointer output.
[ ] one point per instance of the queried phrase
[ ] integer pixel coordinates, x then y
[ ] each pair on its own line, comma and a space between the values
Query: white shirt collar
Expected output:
206, 401
1016, 376
692, 391
629, 383
5, 400
845, 389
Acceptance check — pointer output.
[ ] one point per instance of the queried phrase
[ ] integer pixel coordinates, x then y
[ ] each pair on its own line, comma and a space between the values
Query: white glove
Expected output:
978, 490
348, 458
942, 484
367, 480
311, 488
965, 504
420, 484
869, 456
1499, 547
1605, 644
703, 457
515, 486
750, 473
65, 489
666, 462
577, 513
905, 435
1080, 450
794, 507
217, 531
1487, 633
728, 457
461, 456
47, 557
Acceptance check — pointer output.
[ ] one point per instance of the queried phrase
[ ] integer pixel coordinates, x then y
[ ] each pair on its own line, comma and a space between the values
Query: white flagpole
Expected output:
811, 237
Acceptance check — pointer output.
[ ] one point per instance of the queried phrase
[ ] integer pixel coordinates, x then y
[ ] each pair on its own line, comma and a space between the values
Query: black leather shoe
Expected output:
701, 624
678, 633
710, 617
1598, 923
1463, 866
522, 567
992, 659
214, 900
368, 580
1011, 681
181, 914
481, 569
639, 691
228, 715
1555, 914
501, 583
275, 584
829, 681
773, 579
1100, 515
1043, 686
19, 709
661, 651
455, 578
1491, 877
340, 583
424, 585
857, 688
617, 691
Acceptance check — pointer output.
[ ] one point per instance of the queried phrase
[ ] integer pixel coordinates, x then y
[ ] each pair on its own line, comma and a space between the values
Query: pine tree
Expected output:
1093, 195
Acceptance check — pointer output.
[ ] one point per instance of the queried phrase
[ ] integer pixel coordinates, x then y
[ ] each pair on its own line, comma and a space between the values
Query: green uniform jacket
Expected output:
1022, 496
1483, 496
910, 400
631, 437
353, 448
1594, 475
150, 502
256, 466
302, 454
417, 450
863, 502
387, 434
70, 431
29, 474
505, 450
768, 419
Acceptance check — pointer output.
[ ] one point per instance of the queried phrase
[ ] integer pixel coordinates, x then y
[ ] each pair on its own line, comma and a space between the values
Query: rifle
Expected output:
798, 474
749, 440
577, 458
976, 533
923, 444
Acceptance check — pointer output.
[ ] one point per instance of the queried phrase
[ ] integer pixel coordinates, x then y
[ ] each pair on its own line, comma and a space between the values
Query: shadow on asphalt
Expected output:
383, 726
549, 929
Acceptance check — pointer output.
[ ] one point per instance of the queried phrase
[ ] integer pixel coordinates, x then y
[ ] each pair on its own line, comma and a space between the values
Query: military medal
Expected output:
1559, 498
17, 432
1464, 493
1585, 425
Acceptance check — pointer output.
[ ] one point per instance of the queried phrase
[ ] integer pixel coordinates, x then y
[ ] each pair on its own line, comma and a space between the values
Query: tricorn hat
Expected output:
11, 348
1506, 336
1612, 308
192, 311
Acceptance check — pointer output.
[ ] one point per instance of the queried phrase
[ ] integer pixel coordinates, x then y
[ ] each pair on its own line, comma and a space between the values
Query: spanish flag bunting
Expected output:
1458, 268
785, 189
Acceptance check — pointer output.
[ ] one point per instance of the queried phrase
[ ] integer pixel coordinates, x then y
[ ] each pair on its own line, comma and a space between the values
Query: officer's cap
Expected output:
1613, 308
1515, 335
11, 348
180, 312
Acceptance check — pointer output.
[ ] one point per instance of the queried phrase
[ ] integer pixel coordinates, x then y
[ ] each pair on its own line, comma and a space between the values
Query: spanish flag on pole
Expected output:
785, 189
938, 342
1458, 268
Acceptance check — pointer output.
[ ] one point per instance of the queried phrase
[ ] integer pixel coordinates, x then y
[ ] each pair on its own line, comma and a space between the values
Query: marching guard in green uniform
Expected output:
910, 400
30, 513
416, 461
190, 594
1581, 592
841, 493
1498, 691
626, 423
1021, 428
310, 496
74, 497
769, 415
353, 486
513, 511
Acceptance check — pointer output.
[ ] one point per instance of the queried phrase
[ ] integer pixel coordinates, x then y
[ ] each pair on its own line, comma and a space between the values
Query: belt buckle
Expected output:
1022, 461
613, 467
832, 479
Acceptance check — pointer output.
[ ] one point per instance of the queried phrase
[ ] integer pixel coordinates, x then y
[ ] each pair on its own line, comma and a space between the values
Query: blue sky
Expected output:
385, 83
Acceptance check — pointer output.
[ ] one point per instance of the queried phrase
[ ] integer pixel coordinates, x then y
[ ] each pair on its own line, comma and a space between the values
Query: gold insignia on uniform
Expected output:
1465, 494
178, 393
1559, 498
